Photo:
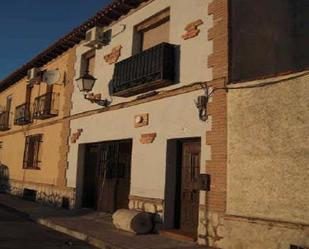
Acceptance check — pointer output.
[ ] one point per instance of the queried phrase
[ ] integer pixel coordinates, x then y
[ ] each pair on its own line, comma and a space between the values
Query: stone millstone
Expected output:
133, 221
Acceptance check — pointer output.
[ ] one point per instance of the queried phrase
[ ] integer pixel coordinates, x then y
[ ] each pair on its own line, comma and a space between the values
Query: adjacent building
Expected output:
34, 132
192, 110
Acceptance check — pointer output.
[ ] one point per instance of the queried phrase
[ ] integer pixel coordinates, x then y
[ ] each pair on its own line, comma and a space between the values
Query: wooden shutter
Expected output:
36, 150
154, 30
31, 153
48, 99
156, 35
90, 65
28, 93
26, 153
8, 109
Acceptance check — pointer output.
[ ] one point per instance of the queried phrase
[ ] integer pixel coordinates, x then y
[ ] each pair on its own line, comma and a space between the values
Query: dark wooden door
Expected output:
90, 183
113, 175
190, 170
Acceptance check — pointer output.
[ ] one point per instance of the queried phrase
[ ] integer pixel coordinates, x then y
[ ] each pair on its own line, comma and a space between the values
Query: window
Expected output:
268, 38
88, 62
5, 123
9, 104
90, 65
32, 152
9, 110
152, 31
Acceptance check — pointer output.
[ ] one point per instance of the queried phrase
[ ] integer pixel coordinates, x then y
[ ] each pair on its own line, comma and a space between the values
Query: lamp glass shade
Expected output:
86, 82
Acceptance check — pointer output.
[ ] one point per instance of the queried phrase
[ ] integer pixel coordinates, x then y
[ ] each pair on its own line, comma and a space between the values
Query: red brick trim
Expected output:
216, 138
192, 29
218, 60
76, 135
113, 56
148, 138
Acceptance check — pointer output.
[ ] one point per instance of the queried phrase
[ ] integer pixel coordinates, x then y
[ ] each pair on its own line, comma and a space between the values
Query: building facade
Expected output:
128, 154
34, 134
192, 110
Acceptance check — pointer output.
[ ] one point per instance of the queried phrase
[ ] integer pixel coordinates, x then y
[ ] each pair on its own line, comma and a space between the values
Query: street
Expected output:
18, 232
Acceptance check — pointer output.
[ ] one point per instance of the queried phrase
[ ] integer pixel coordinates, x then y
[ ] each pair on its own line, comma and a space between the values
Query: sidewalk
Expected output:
94, 228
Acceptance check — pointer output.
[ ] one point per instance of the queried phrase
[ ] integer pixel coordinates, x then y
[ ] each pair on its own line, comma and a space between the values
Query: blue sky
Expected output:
29, 26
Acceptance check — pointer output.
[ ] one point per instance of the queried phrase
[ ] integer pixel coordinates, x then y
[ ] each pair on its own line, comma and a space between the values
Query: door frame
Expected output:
172, 211
81, 156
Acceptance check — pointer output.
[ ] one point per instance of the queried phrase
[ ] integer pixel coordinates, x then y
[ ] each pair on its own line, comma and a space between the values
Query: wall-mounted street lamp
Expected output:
86, 82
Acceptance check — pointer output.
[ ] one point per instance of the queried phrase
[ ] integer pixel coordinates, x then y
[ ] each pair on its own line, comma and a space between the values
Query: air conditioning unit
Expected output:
97, 37
34, 75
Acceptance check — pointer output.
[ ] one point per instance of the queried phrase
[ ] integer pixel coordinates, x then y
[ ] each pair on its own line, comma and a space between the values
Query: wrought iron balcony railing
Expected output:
5, 121
22, 114
148, 70
46, 106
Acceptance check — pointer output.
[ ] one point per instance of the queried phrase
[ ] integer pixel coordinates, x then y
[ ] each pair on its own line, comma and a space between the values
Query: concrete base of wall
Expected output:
45, 193
242, 233
211, 228
150, 205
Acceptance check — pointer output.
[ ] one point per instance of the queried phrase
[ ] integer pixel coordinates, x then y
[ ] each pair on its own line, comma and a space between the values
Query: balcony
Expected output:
5, 121
151, 69
22, 114
46, 106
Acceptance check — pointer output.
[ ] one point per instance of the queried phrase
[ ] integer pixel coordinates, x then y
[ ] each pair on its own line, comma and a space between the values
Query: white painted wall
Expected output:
174, 117
193, 52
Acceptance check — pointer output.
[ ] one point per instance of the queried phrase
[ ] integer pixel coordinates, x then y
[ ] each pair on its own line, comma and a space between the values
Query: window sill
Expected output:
31, 168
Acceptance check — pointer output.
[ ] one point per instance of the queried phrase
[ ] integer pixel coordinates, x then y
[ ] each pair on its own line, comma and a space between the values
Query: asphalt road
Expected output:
18, 232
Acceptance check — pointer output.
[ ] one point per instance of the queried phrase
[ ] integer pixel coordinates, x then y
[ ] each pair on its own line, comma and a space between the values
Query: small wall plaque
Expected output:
141, 120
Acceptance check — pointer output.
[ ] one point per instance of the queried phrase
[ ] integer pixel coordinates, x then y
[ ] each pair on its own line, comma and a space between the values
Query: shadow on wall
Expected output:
4, 178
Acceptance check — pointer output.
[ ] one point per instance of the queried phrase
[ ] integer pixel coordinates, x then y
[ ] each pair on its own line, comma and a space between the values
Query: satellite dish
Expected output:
51, 76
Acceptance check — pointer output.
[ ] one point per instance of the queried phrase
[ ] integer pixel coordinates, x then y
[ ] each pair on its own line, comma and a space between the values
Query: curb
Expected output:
76, 234
64, 230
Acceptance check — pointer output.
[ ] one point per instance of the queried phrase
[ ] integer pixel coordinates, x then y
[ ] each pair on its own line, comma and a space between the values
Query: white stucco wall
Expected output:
193, 52
174, 117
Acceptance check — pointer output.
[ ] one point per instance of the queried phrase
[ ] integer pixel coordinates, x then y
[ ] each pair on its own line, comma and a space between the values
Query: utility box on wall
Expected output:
204, 182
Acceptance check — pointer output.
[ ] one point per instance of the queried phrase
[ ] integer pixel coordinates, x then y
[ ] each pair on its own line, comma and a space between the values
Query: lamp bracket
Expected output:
202, 103
97, 99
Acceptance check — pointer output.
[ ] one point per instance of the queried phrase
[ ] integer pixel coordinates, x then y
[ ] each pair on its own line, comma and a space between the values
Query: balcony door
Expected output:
48, 99
107, 174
